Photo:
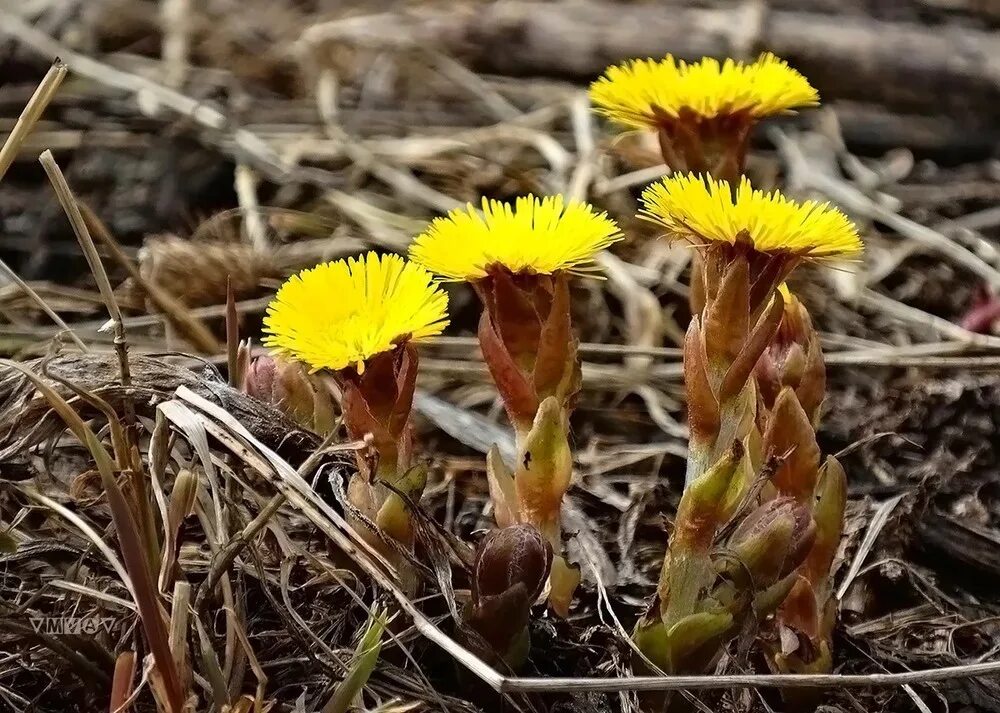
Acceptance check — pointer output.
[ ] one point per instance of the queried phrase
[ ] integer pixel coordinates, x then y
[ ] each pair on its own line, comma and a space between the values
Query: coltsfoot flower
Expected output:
705, 211
519, 259
537, 236
642, 93
341, 314
702, 112
353, 321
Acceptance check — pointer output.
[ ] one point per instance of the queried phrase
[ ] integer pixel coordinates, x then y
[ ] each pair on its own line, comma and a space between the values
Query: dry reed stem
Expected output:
8, 152
43, 305
176, 314
136, 556
805, 175
32, 112
201, 113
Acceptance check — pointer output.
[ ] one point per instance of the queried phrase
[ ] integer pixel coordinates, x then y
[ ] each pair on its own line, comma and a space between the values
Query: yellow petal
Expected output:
536, 235
344, 312
640, 93
701, 209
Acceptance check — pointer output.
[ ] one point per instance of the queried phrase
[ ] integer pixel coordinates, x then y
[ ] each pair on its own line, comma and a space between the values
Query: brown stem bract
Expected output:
527, 340
526, 337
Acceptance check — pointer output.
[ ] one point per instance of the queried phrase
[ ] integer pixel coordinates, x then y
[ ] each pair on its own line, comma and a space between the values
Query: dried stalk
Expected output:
32, 112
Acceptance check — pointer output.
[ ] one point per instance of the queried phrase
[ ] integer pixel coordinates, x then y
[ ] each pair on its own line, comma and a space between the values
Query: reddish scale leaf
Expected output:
800, 611
556, 345
741, 368
726, 318
811, 388
696, 293
378, 385
515, 319
517, 394
768, 272
703, 406
790, 431
360, 421
406, 381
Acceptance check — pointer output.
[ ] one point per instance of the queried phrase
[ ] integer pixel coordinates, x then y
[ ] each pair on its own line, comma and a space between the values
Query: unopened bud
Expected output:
510, 556
286, 385
794, 360
511, 567
772, 541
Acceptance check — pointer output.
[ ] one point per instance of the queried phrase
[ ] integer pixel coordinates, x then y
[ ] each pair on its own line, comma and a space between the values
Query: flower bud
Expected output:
771, 542
510, 570
510, 556
285, 385
794, 360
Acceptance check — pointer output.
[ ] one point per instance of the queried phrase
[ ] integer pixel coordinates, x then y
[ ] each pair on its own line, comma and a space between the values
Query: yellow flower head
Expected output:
703, 210
341, 313
641, 93
538, 236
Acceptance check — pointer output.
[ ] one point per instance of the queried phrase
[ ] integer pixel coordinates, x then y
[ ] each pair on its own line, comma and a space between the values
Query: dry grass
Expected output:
308, 138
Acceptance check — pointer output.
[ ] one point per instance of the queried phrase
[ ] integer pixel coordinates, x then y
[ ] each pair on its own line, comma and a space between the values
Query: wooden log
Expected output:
907, 67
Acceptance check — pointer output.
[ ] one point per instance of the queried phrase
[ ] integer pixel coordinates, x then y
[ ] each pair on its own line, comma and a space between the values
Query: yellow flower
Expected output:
341, 313
704, 210
642, 93
536, 236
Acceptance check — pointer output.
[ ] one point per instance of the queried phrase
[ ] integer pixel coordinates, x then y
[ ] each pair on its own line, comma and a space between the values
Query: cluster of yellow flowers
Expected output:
340, 317
341, 313
345, 312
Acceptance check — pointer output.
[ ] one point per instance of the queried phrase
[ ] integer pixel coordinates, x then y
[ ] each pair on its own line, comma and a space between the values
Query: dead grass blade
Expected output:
176, 313
43, 305
139, 574
182, 500
121, 685
233, 436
